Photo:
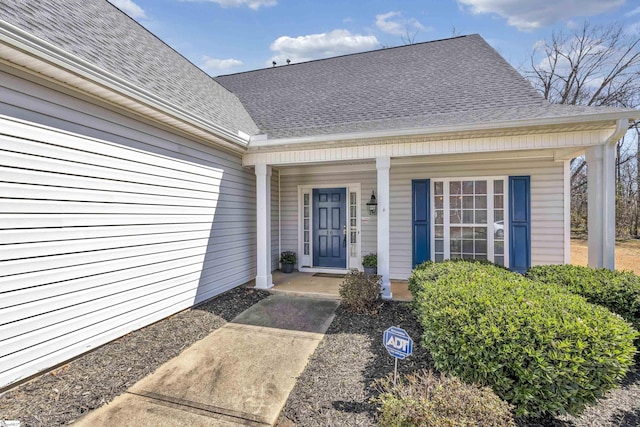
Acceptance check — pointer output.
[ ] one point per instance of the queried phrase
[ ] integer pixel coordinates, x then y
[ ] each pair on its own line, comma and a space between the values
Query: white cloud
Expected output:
397, 26
527, 15
252, 4
214, 65
130, 8
635, 11
323, 45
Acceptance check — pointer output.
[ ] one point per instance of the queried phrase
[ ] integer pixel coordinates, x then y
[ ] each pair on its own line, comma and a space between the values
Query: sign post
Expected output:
399, 345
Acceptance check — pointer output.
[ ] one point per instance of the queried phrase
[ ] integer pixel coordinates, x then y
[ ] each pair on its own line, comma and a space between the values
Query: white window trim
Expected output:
490, 213
352, 262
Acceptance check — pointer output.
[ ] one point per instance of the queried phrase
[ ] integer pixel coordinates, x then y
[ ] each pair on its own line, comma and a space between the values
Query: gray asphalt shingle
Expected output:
99, 33
461, 80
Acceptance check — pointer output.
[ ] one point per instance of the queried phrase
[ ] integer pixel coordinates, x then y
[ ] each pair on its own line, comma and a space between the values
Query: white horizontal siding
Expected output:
99, 237
547, 205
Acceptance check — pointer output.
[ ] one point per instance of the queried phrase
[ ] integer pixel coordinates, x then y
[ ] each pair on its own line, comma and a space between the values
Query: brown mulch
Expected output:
96, 378
335, 387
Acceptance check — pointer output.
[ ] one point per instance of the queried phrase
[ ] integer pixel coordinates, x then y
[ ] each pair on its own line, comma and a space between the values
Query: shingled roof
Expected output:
461, 80
97, 32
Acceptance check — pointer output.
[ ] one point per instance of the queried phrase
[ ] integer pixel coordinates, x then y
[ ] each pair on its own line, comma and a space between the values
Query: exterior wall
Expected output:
547, 205
289, 202
109, 228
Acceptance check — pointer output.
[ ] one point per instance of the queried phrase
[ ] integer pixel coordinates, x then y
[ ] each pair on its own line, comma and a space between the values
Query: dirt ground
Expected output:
627, 254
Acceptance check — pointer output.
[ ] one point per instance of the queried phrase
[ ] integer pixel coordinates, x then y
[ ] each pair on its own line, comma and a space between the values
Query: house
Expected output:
133, 185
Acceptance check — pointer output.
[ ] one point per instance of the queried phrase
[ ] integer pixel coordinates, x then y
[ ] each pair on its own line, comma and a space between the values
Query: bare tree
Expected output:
595, 66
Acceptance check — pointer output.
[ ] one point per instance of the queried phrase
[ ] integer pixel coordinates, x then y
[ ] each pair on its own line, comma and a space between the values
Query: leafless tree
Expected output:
595, 66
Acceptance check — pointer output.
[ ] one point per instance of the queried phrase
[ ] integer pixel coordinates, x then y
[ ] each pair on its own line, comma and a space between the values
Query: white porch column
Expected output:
264, 279
601, 200
383, 165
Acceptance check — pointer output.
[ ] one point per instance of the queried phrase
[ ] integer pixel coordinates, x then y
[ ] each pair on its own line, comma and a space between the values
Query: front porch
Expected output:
325, 286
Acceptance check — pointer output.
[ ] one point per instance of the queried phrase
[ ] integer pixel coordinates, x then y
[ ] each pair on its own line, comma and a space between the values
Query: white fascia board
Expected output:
25, 43
537, 122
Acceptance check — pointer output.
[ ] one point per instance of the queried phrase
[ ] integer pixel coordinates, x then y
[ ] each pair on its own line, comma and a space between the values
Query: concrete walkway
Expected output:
241, 374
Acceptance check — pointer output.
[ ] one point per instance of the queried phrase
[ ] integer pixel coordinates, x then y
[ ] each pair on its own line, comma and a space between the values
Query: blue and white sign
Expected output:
397, 342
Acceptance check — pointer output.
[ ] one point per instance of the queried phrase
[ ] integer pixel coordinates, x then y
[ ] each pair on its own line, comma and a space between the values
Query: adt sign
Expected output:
397, 342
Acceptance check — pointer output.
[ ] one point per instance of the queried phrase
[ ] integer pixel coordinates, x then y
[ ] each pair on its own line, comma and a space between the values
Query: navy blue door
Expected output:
329, 227
420, 217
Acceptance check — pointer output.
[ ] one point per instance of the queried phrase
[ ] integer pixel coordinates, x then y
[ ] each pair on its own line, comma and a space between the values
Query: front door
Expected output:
329, 227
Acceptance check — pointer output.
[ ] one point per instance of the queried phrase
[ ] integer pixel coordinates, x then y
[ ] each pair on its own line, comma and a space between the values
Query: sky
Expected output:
230, 36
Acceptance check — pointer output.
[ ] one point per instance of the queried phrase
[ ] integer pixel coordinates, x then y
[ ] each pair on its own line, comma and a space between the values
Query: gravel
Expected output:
95, 378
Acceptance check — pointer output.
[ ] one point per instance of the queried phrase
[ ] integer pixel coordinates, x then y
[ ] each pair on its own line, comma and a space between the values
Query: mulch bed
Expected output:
96, 378
333, 390
335, 387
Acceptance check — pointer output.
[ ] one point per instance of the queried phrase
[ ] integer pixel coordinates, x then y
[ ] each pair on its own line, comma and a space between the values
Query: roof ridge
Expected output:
348, 54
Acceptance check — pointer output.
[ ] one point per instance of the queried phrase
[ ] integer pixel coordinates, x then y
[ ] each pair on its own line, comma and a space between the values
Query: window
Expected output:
306, 222
469, 219
353, 224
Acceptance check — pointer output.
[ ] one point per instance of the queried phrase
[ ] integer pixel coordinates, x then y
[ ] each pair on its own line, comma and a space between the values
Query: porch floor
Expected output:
306, 284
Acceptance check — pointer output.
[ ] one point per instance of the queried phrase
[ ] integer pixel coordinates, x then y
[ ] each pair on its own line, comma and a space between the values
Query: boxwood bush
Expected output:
360, 292
538, 346
619, 291
425, 399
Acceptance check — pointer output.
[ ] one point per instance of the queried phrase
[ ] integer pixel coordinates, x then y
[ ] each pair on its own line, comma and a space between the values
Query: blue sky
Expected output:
228, 36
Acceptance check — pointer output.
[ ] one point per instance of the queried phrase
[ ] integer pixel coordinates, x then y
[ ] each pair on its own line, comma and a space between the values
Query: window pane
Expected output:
467, 217
498, 202
353, 237
455, 232
438, 202
499, 260
498, 186
454, 187
480, 233
439, 217
498, 247
439, 246
306, 211
438, 188
353, 212
306, 199
467, 246
498, 215
467, 187
455, 217
467, 202
481, 187
481, 217
306, 236
468, 256
439, 257
439, 231
481, 257
353, 222
352, 197
306, 223
455, 202
481, 202
467, 233
455, 246
306, 249
481, 247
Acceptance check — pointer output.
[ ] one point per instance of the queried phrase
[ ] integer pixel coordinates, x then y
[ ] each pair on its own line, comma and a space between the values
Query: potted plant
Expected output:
288, 260
370, 263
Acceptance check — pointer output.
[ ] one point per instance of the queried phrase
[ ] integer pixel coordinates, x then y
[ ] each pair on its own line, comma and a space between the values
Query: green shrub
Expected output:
360, 292
540, 347
619, 291
423, 399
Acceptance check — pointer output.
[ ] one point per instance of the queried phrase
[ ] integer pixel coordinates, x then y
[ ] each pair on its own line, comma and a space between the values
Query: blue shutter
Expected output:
519, 223
420, 219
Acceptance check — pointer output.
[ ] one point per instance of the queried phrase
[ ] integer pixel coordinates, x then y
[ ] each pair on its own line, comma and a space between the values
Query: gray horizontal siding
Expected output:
99, 237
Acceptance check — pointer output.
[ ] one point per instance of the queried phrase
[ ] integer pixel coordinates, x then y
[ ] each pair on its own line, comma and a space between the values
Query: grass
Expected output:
627, 254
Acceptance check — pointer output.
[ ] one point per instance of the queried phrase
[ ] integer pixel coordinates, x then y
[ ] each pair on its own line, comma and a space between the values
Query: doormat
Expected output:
331, 275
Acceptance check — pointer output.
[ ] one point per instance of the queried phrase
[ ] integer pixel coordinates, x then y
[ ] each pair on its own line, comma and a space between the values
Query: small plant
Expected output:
370, 260
424, 399
360, 292
288, 257
537, 345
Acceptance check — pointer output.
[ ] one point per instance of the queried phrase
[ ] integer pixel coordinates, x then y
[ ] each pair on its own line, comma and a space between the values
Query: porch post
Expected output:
382, 165
264, 280
601, 201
